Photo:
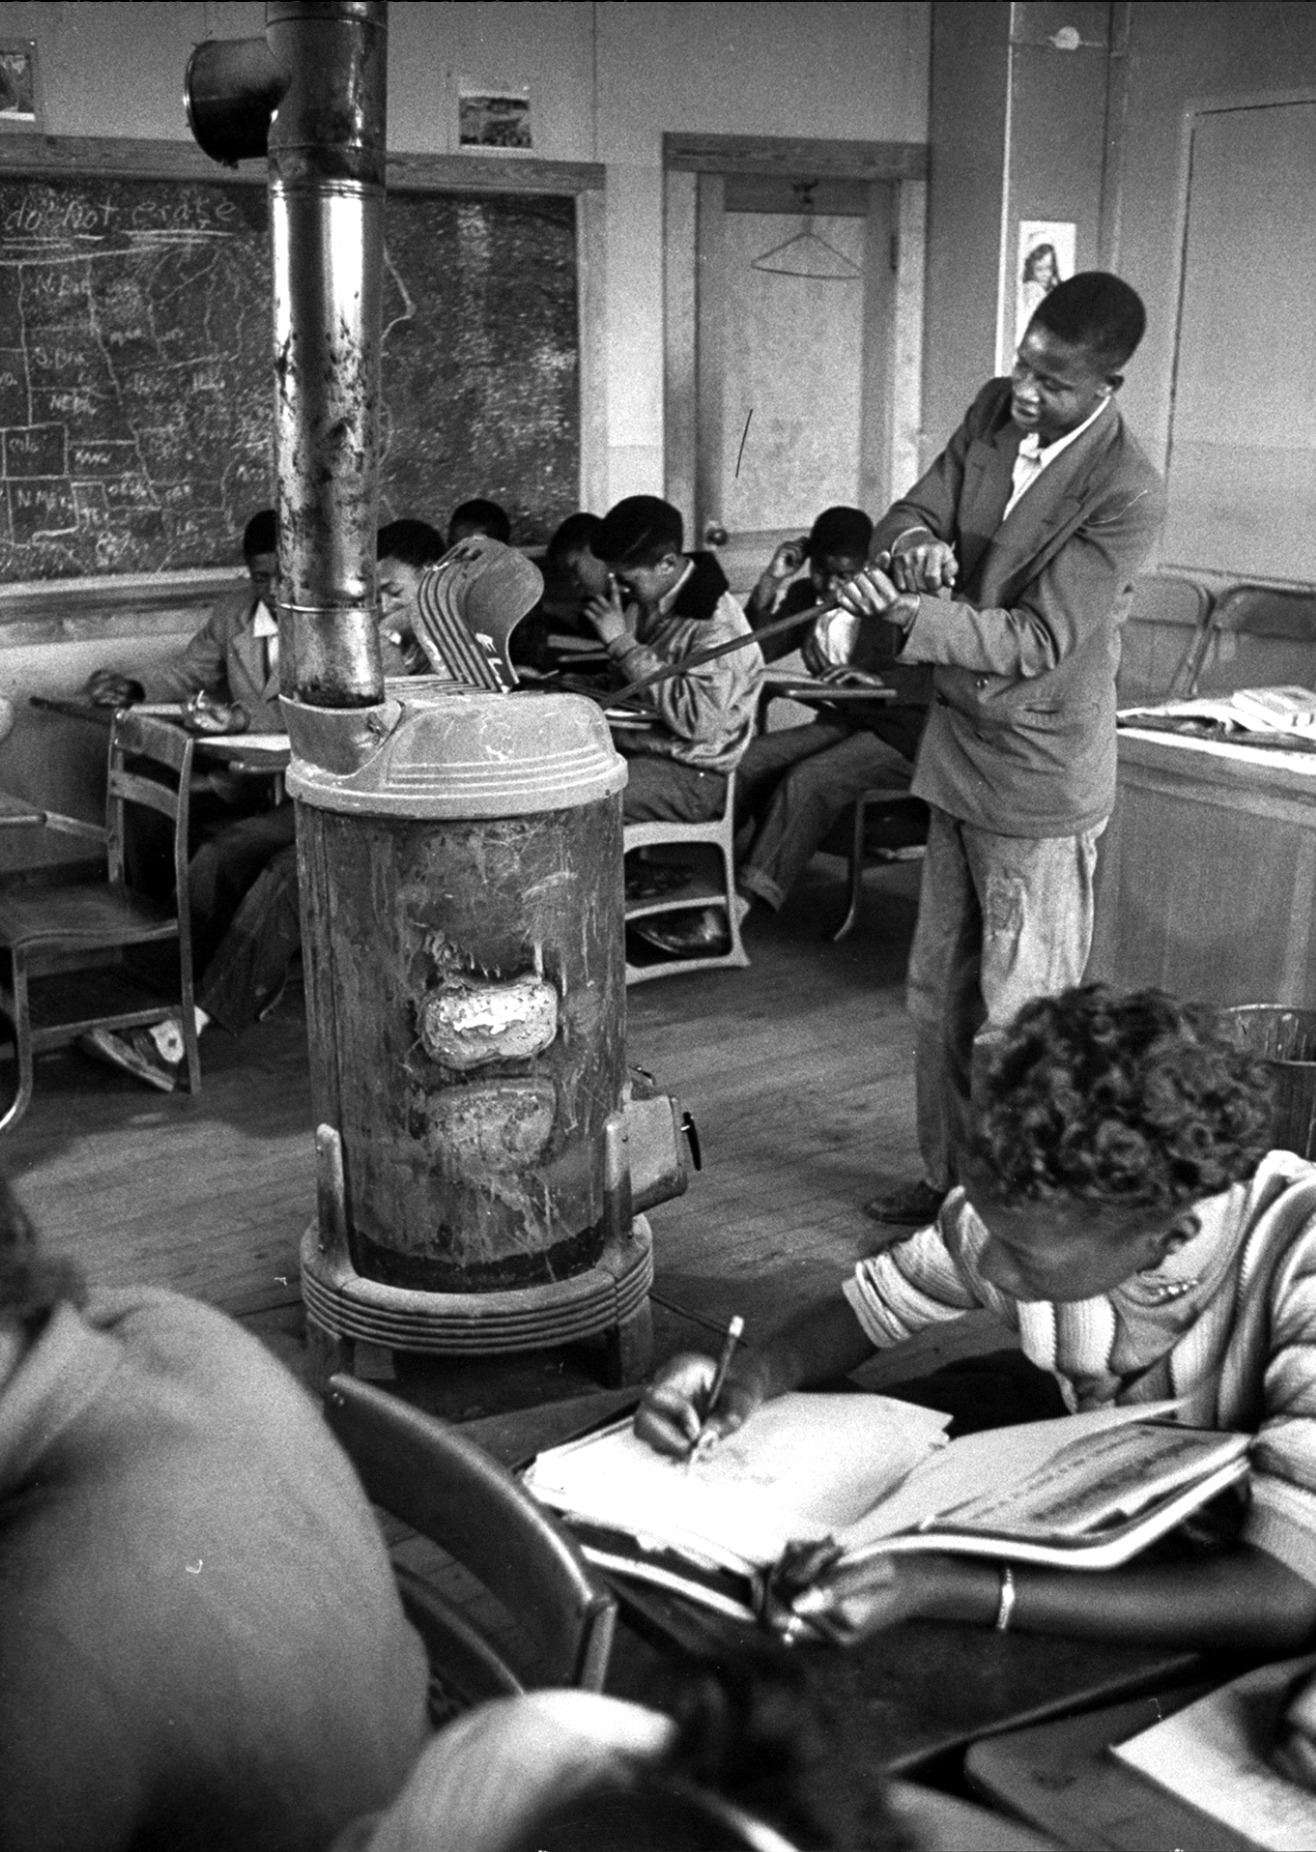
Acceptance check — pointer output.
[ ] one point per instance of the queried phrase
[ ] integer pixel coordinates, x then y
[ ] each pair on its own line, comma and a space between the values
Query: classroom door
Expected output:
1242, 451
794, 287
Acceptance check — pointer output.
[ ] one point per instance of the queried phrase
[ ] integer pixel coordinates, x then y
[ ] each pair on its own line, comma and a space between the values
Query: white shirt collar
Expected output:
263, 621
1033, 448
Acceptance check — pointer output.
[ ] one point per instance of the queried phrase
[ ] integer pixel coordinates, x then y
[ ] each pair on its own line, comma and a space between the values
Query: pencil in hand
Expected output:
707, 1437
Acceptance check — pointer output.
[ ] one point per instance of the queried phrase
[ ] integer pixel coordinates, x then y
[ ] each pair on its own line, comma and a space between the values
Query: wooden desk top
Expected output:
1063, 1779
922, 1689
247, 752
806, 688
244, 752
925, 1688
1219, 761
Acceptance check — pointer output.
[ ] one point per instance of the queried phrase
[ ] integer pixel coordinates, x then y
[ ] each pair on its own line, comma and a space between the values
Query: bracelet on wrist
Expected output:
1006, 1600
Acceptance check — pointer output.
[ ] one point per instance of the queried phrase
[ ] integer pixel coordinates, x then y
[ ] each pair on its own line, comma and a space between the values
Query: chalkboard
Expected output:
136, 370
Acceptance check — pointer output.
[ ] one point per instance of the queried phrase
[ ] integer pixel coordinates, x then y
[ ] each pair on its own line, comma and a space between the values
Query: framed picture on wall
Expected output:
20, 91
1046, 257
494, 119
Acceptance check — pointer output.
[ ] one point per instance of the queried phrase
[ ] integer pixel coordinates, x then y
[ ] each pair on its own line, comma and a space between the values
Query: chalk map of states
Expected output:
134, 405
136, 368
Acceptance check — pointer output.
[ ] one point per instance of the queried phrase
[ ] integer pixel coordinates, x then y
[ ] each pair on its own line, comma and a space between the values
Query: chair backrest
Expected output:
1258, 637
1165, 598
451, 1491
151, 765
1164, 607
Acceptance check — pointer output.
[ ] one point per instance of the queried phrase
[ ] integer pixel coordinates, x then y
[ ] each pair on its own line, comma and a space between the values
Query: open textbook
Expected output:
1246, 710
873, 1476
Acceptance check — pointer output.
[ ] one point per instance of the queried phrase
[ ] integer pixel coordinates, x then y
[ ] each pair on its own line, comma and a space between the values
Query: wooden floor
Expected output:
797, 1070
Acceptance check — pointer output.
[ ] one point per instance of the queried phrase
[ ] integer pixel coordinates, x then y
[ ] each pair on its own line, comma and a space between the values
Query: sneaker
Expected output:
913, 1205
168, 1039
135, 1052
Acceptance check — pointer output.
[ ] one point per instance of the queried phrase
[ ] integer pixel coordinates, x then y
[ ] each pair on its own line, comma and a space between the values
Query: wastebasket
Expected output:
1285, 1040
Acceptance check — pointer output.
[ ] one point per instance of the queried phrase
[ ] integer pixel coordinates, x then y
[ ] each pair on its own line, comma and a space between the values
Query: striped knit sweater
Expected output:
1239, 1345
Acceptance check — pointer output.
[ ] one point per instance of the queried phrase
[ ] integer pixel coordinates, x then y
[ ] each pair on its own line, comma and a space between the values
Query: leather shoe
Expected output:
694, 932
913, 1205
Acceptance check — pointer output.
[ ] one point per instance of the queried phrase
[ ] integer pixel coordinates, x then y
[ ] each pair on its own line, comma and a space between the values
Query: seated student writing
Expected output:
247, 931
555, 638
665, 604
808, 572
246, 973
573, 568
1123, 1216
479, 516
405, 549
229, 675
794, 783
233, 659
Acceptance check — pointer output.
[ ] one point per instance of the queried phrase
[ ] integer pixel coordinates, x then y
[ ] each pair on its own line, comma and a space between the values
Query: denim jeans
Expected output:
1001, 919
251, 962
669, 791
798, 782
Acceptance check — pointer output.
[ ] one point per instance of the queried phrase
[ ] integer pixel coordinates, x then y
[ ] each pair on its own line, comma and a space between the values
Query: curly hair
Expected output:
754, 1737
1121, 1099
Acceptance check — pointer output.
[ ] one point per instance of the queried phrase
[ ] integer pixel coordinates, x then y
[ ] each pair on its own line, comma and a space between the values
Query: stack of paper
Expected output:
1247, 710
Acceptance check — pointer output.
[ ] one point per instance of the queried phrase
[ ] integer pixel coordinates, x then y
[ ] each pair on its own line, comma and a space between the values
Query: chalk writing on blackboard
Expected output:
136, 373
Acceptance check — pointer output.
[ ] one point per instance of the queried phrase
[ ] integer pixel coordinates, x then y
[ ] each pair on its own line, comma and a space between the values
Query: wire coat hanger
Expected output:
807, 243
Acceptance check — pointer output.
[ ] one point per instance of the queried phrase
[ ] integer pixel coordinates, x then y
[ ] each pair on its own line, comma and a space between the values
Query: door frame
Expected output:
1191, 116
694, 171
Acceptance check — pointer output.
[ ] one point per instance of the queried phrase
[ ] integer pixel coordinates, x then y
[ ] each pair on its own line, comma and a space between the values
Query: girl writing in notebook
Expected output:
1123, 1215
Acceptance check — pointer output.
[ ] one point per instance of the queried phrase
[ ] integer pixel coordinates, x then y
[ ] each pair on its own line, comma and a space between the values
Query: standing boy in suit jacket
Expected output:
1009, 566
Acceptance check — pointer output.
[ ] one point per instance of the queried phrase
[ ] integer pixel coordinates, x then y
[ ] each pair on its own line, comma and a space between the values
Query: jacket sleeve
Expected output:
704, 703
934, 500
710, 702
1055, 610
202, 664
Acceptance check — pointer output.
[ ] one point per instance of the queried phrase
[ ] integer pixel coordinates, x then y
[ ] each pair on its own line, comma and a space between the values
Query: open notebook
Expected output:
870, 1476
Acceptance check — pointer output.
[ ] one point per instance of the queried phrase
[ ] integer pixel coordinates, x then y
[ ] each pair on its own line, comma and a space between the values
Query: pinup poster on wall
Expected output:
1046, 257
19, 100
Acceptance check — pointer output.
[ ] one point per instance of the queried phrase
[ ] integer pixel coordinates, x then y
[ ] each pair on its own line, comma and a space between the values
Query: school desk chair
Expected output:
900, 835
1256, 637
442, 1485
68, 946
708, 891
1165, 602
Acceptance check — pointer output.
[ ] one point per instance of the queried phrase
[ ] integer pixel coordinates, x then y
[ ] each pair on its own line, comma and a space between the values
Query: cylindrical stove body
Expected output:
466, 984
